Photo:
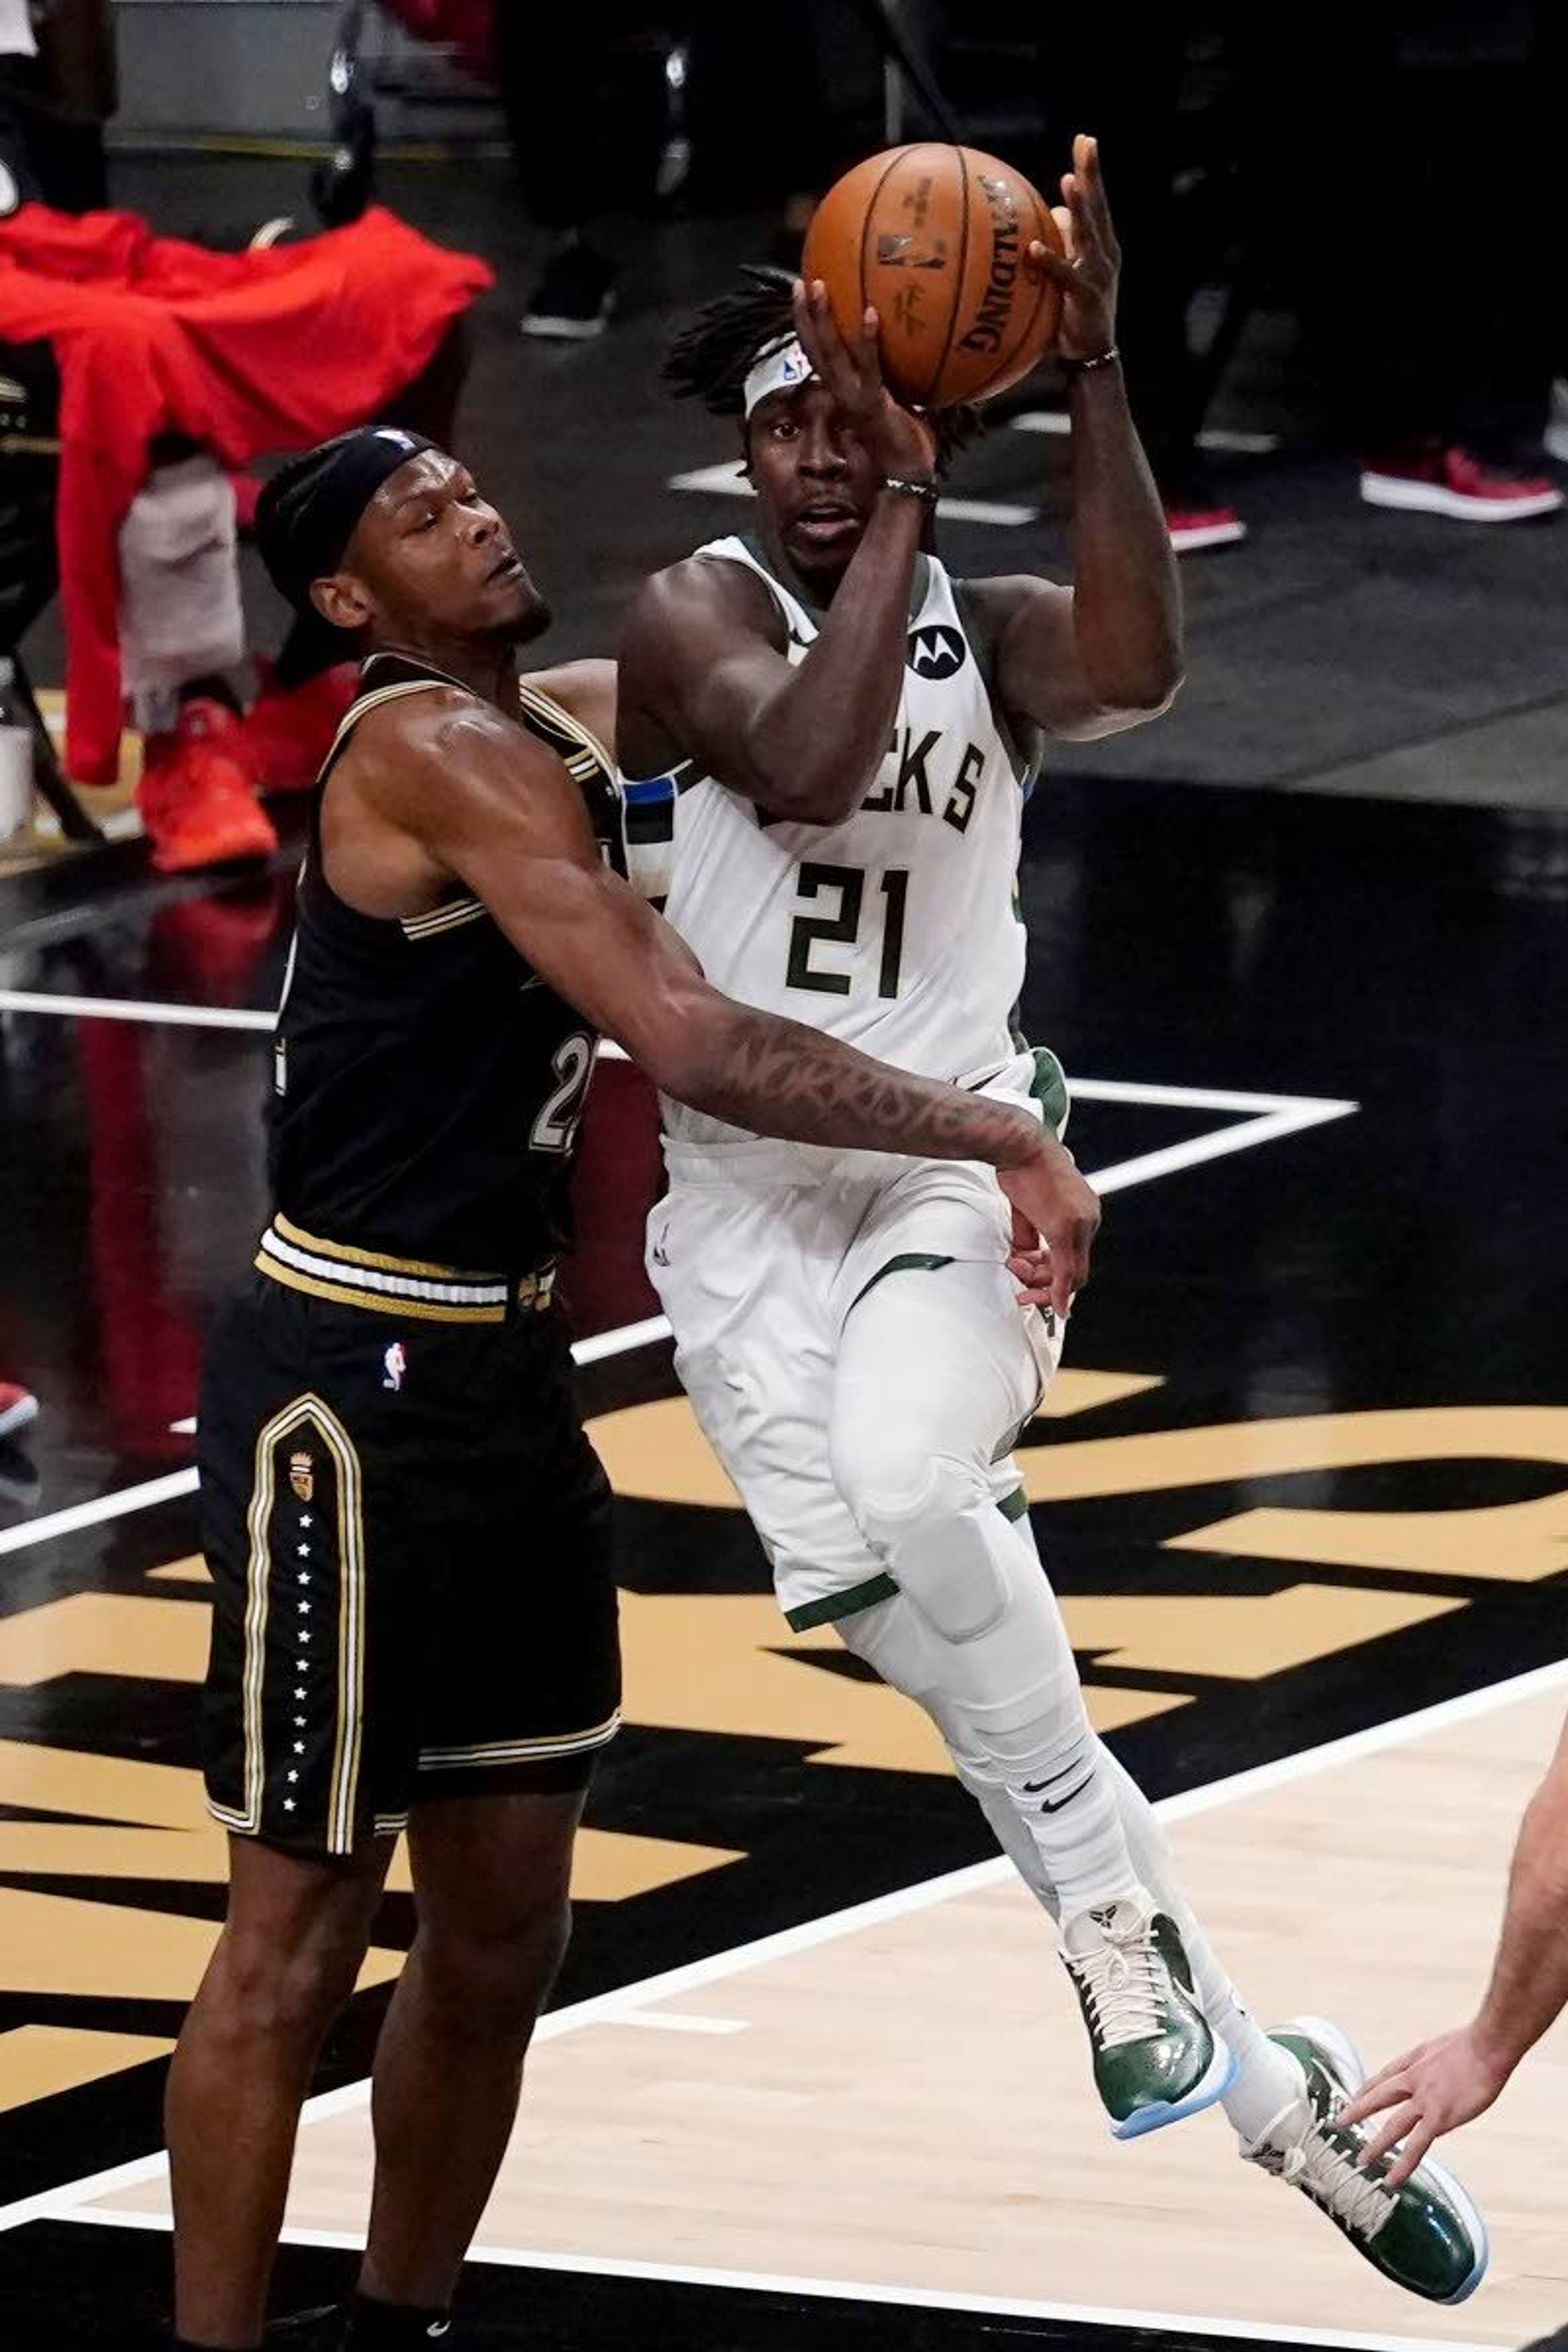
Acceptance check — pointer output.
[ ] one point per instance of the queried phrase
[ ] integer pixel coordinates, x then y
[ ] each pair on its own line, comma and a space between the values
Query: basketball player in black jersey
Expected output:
413, 1617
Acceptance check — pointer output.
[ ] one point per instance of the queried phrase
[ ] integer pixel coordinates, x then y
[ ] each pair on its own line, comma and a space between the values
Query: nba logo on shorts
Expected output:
397, 1363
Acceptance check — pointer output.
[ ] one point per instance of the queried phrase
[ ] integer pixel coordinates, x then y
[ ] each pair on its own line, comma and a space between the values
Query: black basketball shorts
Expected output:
409, 1542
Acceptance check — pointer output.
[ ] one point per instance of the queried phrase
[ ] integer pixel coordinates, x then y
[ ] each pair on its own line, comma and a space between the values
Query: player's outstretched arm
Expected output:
704, 665
493, 807
1107, 654
1450, 2081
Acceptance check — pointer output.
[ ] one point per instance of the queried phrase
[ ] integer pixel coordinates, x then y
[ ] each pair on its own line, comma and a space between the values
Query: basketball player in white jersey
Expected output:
827, 743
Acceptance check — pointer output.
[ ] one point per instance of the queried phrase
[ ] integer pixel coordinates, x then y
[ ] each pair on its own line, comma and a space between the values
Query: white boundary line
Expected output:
617, 1343
996, 2306
62, 2203
103, 1507
665, 2020
1216, 1145
127, 1008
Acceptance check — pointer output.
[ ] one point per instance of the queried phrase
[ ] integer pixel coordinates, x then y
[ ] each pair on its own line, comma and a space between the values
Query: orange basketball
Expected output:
935, 238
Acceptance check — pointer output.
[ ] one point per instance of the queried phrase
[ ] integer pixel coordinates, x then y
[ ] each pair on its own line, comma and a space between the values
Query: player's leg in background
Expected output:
547, 69
935, 1375
492, 1876
296, 1932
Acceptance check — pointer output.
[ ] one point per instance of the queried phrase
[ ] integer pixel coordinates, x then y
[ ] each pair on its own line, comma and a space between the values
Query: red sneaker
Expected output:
289, 730
18, 1406
198, 804
1192, 527
1456, 482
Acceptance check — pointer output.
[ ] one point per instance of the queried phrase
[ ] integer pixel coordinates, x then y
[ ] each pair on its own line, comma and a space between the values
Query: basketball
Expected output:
935, 238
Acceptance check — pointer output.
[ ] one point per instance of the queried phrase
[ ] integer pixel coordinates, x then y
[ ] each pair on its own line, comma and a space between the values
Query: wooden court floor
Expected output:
896, 2100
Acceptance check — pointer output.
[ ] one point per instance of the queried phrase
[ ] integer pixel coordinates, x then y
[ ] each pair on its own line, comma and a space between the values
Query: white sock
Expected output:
1268, 2078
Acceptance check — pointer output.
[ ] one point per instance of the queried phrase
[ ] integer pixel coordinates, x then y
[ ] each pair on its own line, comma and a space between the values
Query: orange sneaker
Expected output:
196, 797
288, 730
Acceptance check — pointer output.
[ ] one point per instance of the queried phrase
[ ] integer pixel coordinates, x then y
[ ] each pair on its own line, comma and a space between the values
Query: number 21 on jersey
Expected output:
842, 928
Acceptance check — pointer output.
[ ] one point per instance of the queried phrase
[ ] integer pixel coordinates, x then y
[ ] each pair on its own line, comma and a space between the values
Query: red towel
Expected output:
247, 353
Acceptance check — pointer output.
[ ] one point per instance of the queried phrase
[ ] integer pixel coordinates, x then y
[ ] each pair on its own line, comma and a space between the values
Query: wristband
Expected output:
1109, 357
908, 487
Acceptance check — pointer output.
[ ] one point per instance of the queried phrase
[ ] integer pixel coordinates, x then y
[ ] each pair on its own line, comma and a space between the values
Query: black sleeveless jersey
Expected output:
427, 1084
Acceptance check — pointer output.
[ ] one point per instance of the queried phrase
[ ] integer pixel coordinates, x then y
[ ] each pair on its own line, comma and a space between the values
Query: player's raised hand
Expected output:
1089, 270
1056, 1204
1432, 2089
850, 370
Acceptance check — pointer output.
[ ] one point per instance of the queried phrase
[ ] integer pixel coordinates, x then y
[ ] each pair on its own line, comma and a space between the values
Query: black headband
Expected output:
306, 515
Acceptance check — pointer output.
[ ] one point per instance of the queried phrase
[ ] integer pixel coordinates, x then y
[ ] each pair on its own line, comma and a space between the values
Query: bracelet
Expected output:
1109, 357
925, 489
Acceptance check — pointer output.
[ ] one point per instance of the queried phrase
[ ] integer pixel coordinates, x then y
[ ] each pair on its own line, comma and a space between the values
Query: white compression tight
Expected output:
928, 1387
935, 1373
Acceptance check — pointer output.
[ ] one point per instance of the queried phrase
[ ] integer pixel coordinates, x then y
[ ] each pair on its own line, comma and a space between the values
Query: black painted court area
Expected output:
1404, 954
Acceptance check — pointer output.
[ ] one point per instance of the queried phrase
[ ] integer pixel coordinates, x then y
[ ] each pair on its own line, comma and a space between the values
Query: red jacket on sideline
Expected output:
247, 353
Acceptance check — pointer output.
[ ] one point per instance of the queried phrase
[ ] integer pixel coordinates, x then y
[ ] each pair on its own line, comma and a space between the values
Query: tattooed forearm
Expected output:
778, 1077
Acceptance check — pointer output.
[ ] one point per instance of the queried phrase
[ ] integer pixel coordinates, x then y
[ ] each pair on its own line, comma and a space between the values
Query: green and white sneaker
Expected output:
1156, 2058
1425, 2236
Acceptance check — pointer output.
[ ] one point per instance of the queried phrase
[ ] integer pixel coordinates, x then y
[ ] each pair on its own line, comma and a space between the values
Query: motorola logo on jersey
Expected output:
937, 652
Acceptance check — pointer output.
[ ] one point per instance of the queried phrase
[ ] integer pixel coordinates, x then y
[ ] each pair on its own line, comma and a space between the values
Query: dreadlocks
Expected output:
710, 361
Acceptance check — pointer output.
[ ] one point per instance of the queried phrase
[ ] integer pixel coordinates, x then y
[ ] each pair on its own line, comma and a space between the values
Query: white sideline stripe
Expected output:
62, 2203
914, 2298
103, 1507
1136, 1090
616, 1343
724, 482
1214, 1146
1215, 436
127, 1008
662, 2020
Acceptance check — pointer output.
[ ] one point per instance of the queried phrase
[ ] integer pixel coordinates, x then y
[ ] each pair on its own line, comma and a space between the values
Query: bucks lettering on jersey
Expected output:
896, 930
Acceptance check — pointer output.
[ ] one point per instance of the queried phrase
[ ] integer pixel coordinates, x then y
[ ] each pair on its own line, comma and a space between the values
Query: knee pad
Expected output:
944, 1542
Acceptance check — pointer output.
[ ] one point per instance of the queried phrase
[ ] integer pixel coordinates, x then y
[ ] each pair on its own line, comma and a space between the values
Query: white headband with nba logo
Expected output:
783, 369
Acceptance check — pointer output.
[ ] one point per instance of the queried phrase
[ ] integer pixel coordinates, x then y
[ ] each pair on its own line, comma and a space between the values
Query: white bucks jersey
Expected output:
897, 929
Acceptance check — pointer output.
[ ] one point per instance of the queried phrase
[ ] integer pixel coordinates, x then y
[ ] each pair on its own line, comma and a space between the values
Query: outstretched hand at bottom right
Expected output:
1432, 2089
